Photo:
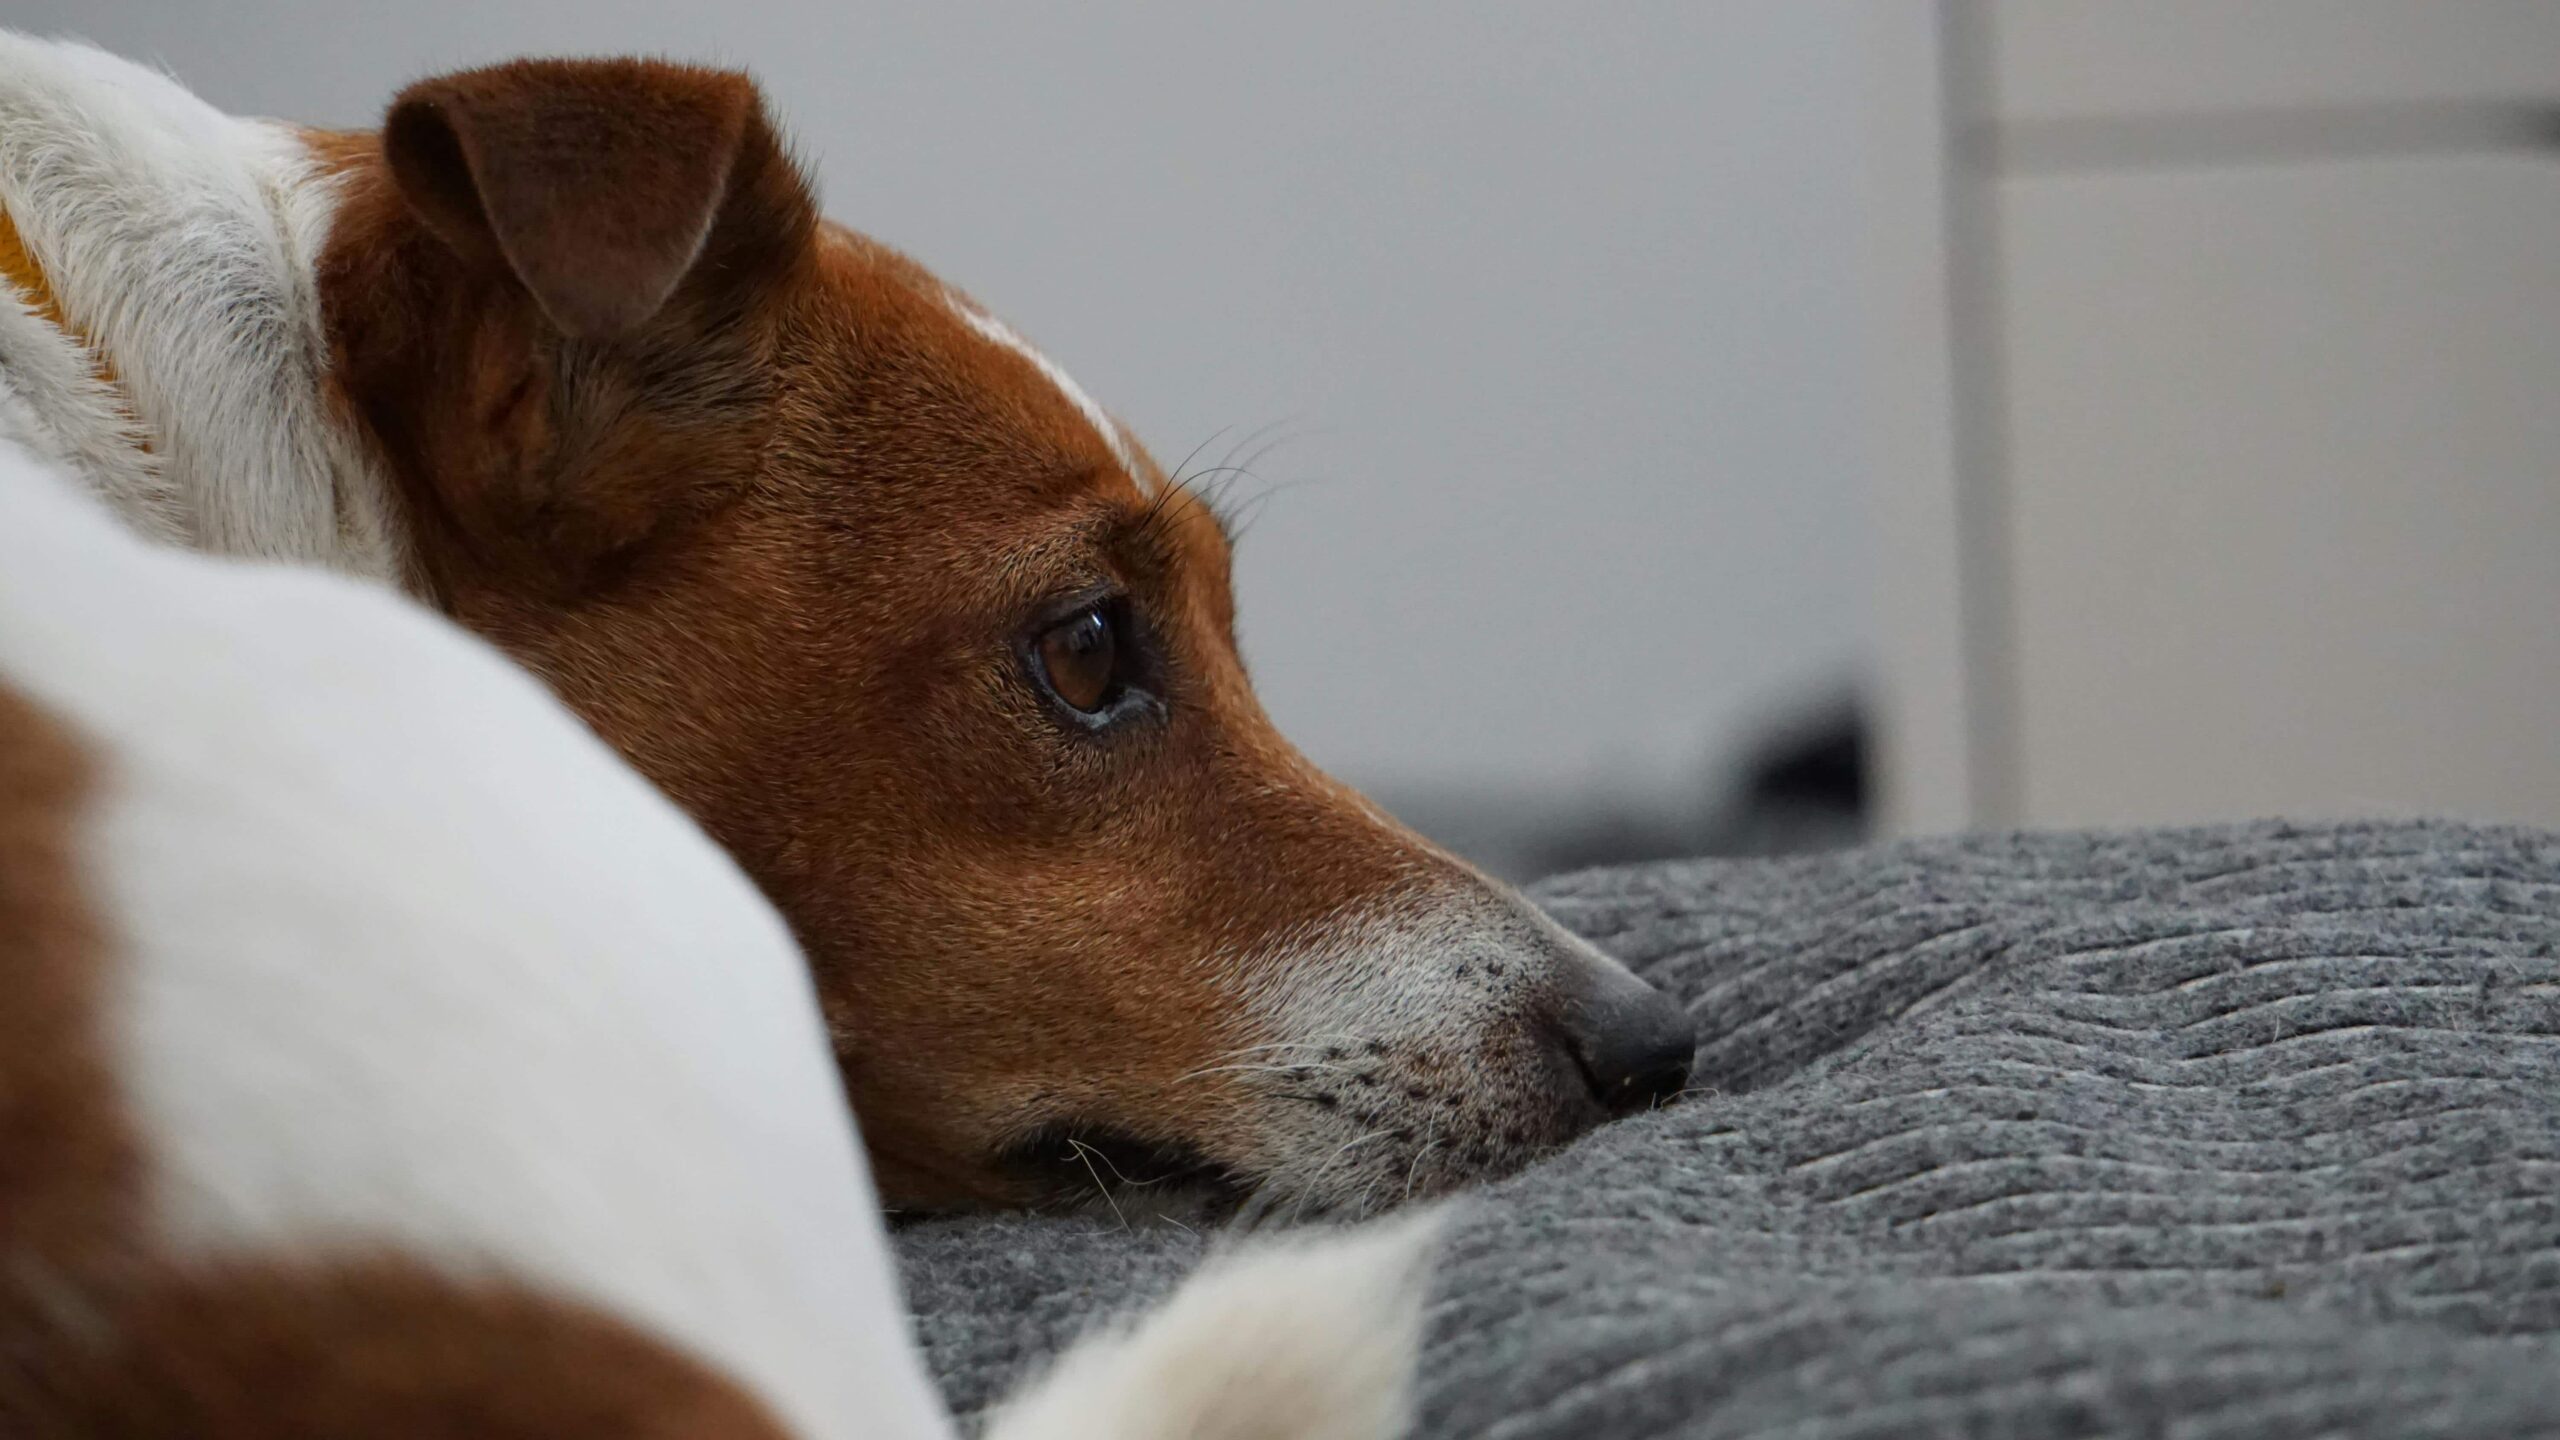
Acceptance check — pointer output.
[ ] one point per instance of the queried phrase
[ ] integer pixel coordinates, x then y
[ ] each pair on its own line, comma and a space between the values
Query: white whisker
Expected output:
1103, 1190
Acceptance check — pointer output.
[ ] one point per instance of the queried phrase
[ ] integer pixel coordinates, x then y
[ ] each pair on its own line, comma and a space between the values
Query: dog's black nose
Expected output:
1633, 1043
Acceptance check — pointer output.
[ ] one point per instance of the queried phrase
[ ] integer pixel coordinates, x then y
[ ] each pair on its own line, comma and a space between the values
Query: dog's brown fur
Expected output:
752, 535
373, 1348
67, 1162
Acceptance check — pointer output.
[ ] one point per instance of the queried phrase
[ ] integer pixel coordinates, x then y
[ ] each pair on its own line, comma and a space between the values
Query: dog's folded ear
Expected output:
551, 291
597, 183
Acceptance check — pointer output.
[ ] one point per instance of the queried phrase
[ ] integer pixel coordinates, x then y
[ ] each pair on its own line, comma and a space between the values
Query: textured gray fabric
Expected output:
2246, 1131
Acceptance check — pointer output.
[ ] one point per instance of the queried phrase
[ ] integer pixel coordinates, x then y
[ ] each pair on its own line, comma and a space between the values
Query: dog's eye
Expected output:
1080, 658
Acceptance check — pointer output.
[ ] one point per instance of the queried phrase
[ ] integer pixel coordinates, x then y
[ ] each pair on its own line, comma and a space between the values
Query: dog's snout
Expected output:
1632, 1043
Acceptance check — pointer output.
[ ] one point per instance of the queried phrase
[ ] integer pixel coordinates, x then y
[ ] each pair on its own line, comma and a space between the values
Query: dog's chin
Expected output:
1109, 1170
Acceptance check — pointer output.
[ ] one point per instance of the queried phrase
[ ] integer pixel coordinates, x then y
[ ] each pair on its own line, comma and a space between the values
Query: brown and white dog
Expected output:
380, 1057
868, 586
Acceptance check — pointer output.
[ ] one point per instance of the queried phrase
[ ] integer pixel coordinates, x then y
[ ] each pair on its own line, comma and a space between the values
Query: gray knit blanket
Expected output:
2246, 1132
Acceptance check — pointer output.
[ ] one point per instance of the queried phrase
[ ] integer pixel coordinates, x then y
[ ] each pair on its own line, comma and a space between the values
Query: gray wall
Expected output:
1551, 306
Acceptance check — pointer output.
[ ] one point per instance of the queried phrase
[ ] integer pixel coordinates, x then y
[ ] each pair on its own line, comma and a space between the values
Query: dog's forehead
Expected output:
994, 439
995, 332
950, 332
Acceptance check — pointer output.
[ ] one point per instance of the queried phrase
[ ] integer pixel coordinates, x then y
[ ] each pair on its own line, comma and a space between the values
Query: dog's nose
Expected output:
1633, 1043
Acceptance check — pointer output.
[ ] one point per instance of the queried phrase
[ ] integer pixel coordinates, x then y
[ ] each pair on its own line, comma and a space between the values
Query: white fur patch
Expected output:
999, 333
53, 401
1309, 1337
184, 242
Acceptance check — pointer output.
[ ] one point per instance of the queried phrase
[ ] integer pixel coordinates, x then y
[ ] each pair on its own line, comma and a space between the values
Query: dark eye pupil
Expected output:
1080, 656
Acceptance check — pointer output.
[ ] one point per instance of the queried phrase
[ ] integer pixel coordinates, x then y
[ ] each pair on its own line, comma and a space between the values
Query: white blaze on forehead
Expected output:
998, 332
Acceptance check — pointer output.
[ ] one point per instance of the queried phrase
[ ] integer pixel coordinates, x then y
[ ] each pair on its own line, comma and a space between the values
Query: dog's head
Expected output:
923, 636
